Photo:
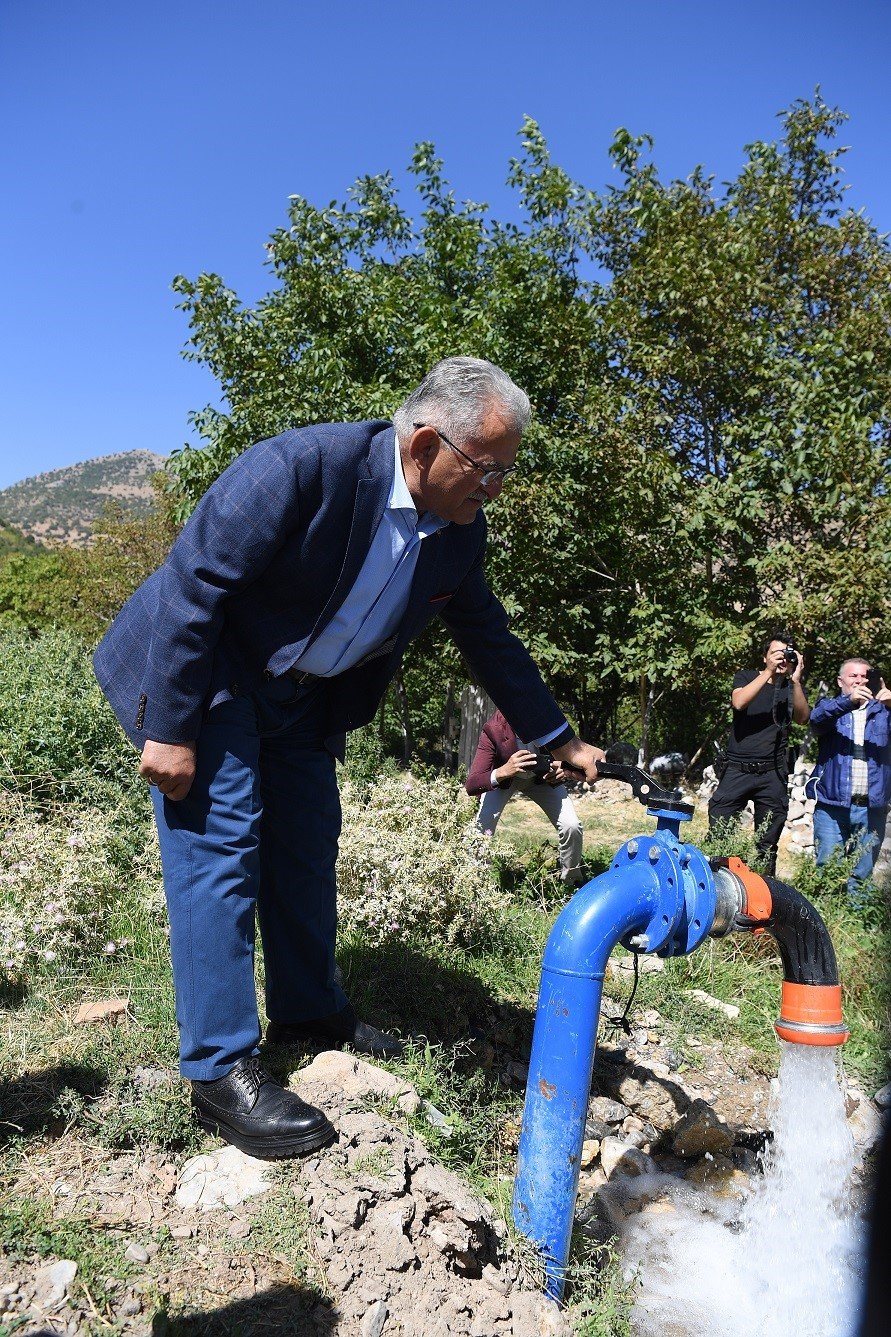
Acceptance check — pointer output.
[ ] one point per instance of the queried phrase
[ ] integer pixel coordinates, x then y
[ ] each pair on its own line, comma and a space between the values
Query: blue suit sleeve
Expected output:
827, 711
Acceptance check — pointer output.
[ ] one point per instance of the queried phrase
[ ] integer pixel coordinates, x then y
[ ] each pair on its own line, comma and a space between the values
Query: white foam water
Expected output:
786, 1261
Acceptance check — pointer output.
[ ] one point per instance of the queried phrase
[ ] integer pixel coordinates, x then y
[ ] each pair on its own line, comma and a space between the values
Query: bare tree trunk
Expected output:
408, 745
448, 728
476, 707
651, 700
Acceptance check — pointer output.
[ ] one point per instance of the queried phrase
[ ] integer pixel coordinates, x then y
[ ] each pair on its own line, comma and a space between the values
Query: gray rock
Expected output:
136, 1253
701, 1131
150, 1079
651, 1100
497, 1280
882, 1097
730, 1010
620, 1157
865, 1124
612, 1149
356, 1080
225, 1178
373, 1322
51, 1283
634, 1163
607, 1111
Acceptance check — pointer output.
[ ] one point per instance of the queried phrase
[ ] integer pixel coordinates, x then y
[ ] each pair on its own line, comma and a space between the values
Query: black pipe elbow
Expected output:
802, 938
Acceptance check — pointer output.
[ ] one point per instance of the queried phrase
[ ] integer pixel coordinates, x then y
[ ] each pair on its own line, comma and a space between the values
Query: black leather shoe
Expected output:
341, 1028
250, 1110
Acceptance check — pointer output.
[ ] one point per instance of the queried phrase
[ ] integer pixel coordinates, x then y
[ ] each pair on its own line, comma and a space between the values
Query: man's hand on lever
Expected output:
578, 760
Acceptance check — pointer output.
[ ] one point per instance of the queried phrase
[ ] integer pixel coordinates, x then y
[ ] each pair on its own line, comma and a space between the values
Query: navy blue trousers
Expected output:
255, 838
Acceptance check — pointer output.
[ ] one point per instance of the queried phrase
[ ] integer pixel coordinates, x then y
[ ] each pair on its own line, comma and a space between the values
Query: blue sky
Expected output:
142, 141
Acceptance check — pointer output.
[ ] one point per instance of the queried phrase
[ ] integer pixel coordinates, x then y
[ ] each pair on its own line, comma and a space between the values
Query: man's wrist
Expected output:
566, 735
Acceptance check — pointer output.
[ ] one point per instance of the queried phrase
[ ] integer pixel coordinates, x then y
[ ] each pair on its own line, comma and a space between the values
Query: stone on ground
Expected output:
51, 1283
224, 1178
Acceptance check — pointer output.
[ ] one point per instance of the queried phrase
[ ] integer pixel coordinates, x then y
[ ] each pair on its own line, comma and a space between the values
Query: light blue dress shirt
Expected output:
370, 614
373, 609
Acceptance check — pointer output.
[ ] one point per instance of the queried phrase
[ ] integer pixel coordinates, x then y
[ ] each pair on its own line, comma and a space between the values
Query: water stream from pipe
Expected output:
785, 1260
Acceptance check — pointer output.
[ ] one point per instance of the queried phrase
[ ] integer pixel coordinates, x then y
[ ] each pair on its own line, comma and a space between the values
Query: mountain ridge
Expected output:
62, 505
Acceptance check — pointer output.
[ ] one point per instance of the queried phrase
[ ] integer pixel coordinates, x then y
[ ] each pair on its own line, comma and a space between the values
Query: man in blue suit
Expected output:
272, 629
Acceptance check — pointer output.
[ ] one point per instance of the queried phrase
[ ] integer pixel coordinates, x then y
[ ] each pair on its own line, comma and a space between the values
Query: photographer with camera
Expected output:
852, 779
765, 703
503, 765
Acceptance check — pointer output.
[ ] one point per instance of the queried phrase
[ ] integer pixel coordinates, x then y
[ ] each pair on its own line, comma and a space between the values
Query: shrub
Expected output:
366, 760
726, 838
413, 864
61, 873
58, 735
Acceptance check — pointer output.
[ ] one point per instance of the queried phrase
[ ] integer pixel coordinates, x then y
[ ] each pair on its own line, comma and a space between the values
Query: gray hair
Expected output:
853, 659
457, 394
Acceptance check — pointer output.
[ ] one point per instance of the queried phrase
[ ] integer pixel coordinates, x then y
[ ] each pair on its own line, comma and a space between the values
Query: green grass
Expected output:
469, 1011
28, 1230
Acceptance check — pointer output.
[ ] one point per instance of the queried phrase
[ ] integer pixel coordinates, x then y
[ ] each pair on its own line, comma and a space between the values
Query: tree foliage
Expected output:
709, 367
82, 589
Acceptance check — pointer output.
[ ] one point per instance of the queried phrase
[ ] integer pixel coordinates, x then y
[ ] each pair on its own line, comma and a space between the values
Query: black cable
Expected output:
623, 1020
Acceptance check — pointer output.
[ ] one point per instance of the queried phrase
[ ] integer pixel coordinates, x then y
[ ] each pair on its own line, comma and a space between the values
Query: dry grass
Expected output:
607, 823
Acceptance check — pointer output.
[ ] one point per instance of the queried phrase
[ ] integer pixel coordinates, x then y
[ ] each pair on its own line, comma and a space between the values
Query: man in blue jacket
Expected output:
852, 778
273, 628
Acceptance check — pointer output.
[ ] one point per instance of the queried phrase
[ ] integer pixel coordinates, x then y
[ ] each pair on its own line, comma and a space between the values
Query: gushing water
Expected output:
789, 1258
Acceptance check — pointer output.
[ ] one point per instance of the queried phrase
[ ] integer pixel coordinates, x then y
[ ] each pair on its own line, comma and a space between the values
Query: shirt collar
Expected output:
400, 499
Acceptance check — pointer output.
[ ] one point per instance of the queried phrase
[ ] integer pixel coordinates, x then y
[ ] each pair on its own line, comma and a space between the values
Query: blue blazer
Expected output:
832, 721
264, 562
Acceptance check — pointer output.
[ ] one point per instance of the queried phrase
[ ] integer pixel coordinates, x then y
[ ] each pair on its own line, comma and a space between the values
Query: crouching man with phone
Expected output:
852, 778
504, 765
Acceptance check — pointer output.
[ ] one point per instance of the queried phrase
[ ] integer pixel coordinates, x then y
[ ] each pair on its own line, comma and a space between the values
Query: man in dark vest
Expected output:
765, 703
274, 626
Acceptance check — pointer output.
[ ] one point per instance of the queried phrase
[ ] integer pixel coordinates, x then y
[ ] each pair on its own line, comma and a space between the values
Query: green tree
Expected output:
749, 334
710, 373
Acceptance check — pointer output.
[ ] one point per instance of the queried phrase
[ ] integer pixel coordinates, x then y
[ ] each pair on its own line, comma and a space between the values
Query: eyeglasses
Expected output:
490, 473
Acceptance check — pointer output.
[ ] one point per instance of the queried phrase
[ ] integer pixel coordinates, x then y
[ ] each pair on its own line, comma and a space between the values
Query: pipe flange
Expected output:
730, 900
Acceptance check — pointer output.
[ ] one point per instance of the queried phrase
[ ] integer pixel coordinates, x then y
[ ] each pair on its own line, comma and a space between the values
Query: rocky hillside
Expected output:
61, 506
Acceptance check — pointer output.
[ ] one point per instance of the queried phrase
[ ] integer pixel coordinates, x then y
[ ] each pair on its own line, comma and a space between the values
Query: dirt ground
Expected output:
610, 820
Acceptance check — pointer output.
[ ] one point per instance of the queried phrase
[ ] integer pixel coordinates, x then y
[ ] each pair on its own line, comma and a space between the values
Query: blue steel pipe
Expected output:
658, 896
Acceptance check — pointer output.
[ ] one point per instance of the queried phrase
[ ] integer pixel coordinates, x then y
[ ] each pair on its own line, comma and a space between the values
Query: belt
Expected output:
300, 676
378, 652
752, 767
859, 800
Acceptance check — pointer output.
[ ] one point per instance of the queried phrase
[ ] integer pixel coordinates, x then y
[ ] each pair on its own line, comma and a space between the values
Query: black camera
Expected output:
542, 766
790, 657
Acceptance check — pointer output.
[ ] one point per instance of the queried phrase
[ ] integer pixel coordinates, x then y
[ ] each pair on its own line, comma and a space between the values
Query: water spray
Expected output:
662, 896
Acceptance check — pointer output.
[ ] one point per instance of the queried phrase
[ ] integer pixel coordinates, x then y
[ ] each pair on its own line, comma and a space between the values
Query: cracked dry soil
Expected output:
369, 1238
372, 1237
